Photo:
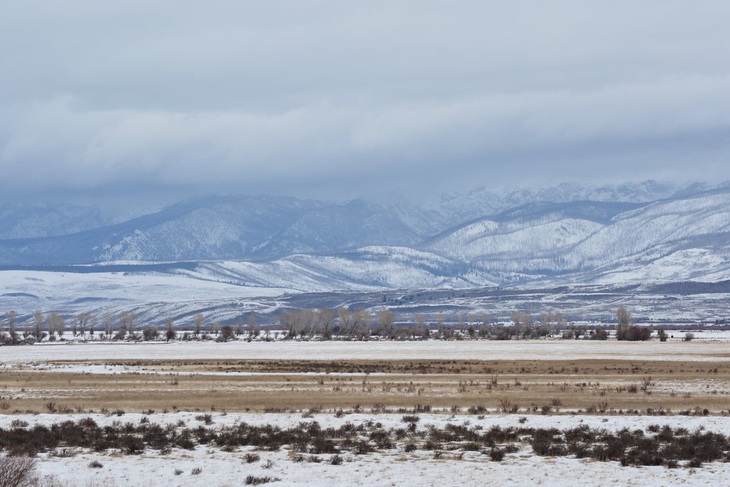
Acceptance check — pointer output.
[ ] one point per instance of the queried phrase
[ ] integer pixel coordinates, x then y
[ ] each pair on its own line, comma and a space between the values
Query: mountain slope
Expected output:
363, 244
561, 240
222, 228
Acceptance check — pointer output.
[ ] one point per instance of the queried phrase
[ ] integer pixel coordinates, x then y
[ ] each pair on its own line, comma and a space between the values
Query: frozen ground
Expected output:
393, 467
386, 467
337, 350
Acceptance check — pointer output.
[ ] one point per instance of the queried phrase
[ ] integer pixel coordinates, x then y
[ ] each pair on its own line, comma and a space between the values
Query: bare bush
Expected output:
16, 471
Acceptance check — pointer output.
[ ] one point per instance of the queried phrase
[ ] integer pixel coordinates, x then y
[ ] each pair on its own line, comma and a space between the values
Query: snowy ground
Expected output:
337, 350
389, 467
392, 467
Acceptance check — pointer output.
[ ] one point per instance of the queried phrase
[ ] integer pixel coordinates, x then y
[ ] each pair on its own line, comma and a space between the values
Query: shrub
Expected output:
205, 418
16, 471
252, 480
251, 458
600, 334
496, 454
633, 333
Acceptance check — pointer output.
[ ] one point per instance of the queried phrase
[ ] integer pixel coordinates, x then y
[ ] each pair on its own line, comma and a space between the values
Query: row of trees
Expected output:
324, 323
53, 326
114, 326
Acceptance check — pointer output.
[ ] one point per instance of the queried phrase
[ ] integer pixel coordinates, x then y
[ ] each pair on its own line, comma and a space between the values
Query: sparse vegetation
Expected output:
16, 471
253, 480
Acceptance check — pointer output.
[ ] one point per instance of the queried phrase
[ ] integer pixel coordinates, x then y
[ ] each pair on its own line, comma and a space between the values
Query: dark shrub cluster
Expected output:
658, 446
655, 446
633, 333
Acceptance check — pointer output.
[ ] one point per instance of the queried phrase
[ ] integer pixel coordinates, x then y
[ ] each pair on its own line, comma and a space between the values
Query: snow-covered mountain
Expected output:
217, 228
591, 237
482, 202
570, 233
19, 220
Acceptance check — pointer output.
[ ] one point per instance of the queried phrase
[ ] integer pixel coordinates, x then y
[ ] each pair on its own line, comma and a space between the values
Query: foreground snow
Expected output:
393, 467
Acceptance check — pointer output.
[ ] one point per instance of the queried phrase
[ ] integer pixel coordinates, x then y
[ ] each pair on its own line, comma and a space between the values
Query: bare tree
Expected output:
108, 324
10, 318
626, 328
56, 324
623, 317
38, 322
288, 320
386, 320
126, 323
361, 322
421, 328
559, 322
239, 326
170, 332
345, 318
92, 323
522, 323
251, 321
326, 319
461, 320
83, 320
440, 326
150, 333
624, 323
253, 326
226, 333
198, 323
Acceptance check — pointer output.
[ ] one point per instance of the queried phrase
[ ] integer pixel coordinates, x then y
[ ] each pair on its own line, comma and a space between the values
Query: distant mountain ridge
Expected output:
483, 237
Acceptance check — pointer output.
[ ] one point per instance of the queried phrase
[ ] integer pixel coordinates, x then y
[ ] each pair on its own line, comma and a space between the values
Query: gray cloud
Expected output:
325, 96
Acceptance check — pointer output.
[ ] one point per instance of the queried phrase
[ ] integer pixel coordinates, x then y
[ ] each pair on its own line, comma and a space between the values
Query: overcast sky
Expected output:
337, 98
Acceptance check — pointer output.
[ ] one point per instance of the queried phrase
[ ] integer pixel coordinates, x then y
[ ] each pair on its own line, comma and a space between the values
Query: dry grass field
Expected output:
258, 385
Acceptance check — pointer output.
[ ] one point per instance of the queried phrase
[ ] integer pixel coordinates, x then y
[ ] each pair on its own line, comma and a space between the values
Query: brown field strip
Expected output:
260, 385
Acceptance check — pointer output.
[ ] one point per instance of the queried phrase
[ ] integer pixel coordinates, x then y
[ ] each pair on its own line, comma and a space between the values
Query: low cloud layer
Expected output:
332, 98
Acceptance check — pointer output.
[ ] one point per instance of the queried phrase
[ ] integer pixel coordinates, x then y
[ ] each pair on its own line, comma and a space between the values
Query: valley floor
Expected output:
401, 399
391, 467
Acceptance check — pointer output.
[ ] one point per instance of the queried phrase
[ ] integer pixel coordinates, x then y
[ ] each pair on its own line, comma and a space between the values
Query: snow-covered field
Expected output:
209, 465
337, 350
391, 467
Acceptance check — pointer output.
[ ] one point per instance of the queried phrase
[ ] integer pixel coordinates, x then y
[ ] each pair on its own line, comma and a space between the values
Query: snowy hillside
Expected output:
550, 243
263, 245
483, 201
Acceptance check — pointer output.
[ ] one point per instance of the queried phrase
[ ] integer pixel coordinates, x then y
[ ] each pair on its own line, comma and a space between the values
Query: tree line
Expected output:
316, 323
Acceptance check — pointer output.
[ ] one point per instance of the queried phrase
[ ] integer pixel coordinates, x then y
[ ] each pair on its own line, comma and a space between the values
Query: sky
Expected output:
339, 99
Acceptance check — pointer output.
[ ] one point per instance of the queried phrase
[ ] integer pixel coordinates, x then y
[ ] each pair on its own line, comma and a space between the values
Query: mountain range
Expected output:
569, 233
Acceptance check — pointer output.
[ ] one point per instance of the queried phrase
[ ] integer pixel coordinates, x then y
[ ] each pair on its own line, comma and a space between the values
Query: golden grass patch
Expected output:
540, 386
